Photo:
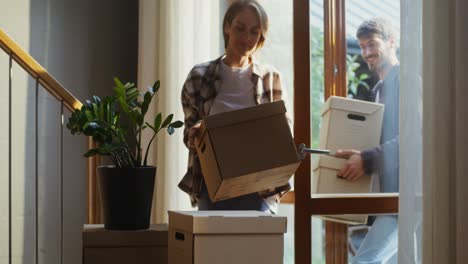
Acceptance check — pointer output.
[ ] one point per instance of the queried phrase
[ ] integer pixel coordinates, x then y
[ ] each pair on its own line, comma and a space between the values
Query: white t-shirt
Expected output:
236, 90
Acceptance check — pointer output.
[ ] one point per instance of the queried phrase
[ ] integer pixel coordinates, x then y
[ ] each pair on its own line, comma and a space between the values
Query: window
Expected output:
337, 45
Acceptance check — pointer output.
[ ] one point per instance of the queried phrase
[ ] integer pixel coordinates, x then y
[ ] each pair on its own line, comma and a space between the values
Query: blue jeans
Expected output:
380, 246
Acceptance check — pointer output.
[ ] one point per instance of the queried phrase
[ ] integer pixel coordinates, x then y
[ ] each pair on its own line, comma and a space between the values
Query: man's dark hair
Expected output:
378, 26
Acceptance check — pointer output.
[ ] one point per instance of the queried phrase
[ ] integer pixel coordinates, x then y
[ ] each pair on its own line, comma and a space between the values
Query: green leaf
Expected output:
101, 112
91, 153
129, 85
177, 124
97, 100
116, 119
121, 95
91, 125
146, 102
363, 77
99, 119
156, 86
124, 105
119, 84
89, 115
132, 93
109, 113
138, 118
157, 121
87, 105
167, 121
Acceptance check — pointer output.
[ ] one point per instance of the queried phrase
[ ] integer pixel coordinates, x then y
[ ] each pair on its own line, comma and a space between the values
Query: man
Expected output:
378, 45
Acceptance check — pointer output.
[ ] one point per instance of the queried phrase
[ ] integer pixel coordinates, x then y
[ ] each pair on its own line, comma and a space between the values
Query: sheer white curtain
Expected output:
174, 36
410, 208
445, 131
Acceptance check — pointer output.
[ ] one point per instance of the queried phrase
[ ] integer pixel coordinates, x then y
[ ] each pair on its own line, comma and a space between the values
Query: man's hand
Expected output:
193, 135
353, 169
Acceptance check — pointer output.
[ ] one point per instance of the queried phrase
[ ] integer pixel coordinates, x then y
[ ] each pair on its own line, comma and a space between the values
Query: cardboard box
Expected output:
124, 247
228, 237
350, 124
346, 124
325, 181
246, 151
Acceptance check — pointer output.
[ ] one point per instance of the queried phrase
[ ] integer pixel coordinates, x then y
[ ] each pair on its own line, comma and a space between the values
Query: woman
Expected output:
231, 82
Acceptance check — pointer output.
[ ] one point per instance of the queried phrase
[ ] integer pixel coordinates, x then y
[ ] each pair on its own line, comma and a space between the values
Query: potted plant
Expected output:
126, 187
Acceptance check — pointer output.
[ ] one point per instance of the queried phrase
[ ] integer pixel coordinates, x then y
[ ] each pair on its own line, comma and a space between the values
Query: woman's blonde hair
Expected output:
239, 6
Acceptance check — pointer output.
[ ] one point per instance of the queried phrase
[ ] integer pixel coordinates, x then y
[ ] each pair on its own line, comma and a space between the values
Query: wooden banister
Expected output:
29, 64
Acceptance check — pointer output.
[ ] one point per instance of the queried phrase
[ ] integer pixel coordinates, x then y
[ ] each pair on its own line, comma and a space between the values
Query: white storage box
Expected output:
346, 124
350, 124
325, 181
228, 237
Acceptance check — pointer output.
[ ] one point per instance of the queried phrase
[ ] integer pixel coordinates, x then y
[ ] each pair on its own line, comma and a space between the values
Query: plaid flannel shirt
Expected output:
198, 94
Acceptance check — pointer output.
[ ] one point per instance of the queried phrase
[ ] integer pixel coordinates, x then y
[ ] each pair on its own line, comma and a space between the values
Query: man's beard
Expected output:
378, 66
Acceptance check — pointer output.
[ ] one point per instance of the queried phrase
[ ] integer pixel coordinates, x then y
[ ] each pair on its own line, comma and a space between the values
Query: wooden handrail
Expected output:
29, 64
49, 83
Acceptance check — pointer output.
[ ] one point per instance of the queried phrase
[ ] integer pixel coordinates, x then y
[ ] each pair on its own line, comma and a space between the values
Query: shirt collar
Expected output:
257, 69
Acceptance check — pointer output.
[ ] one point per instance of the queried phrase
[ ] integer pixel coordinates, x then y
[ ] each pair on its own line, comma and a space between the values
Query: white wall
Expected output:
83, 44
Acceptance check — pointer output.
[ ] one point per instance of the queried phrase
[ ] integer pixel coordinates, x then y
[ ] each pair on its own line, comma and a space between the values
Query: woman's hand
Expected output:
353, 170
193, 135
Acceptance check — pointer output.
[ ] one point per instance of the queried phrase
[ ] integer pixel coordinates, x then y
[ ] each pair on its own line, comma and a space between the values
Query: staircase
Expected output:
43, 175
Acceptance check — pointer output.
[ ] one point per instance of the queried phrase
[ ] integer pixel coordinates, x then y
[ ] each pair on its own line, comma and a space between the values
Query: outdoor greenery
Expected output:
354, 80
317, 81
101, 120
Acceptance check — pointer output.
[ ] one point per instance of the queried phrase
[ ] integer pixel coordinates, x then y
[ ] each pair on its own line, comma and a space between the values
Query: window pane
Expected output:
318, 240
372, 61
357, 12
411, 164
280, 41
375, 240
317, 80
382, 67
317, 69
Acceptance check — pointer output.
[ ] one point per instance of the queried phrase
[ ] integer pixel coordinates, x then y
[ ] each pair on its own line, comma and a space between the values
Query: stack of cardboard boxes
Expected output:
241, 152
346, 124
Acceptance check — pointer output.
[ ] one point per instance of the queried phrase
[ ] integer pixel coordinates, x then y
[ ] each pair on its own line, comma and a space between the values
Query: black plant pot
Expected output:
126, 196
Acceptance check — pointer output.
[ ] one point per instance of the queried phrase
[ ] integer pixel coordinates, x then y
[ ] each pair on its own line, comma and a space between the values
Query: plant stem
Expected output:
139, 146
147, 149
